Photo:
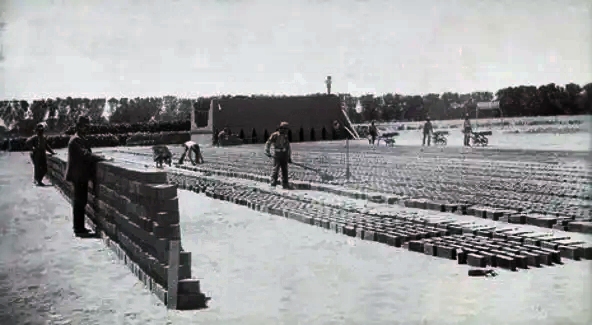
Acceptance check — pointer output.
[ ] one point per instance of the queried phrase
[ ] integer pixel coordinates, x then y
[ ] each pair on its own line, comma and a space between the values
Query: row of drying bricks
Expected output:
552, 171
403, 228
473, 247
574, 212
470, 244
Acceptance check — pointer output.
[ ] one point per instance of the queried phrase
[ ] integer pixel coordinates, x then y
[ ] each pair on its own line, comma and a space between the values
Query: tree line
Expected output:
21, 116
520, 101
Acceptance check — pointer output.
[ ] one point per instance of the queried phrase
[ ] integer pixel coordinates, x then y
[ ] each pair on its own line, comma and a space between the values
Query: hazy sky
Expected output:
192, 48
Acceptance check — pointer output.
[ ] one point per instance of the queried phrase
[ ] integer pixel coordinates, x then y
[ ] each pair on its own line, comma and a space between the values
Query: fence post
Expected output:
173, 274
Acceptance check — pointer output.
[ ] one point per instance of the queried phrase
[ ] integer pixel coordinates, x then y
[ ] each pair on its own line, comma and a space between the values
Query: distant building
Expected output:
488, 105
310, 117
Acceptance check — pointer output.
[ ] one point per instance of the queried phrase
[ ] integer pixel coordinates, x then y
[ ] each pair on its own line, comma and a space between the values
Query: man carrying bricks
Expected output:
282, 154
39, 147
191, 146
80, 169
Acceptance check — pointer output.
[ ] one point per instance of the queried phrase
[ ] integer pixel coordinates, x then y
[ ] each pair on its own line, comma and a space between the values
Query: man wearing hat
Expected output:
80, 169
428, 129
282, 154
467, 130
39, 147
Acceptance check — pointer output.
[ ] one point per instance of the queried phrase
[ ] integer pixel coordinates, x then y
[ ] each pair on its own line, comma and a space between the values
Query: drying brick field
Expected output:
543, 188
460, 188
390, 246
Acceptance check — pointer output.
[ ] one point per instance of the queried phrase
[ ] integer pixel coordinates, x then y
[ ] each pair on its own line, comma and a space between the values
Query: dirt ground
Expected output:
258, 269
48, 276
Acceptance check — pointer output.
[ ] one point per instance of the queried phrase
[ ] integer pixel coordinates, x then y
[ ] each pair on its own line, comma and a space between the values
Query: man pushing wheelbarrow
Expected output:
282, 154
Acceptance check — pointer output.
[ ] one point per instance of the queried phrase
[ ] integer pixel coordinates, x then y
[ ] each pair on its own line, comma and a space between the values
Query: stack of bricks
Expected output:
138, 213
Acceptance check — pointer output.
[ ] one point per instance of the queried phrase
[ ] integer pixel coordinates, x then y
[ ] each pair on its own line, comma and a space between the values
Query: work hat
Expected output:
40, 126
82, 120
284, 125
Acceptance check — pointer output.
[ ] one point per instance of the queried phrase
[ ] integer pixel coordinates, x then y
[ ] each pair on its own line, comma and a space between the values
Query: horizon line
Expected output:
277, 94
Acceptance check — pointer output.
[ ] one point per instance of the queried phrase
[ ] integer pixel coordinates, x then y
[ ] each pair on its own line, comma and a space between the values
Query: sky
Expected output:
192, 48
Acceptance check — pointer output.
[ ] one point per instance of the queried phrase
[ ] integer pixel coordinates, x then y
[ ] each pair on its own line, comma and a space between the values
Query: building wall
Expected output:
265, 113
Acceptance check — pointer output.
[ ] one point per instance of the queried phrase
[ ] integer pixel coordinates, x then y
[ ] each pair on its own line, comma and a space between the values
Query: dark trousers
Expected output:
280, 161
196, 151
39, 167
79, 204
426, 136
467, 139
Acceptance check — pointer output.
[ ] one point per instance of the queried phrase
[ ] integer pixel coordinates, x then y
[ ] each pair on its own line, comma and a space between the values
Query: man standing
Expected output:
191, 146
80, 169
39, 147
428, 129
282, 154
373, 131
467, 130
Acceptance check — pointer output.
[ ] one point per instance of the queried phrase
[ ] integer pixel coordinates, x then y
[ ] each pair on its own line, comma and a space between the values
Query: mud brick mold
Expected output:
136, 212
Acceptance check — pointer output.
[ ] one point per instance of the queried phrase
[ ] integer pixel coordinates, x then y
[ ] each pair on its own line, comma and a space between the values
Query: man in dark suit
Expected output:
467, 130
80, 169
428, 131
39, 147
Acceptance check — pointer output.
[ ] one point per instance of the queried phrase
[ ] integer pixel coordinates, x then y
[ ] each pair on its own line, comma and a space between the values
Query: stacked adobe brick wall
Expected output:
137, 214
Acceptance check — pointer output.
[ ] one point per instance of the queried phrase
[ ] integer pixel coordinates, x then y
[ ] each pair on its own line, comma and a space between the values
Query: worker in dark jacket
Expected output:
39, 147
161, 155
80, 170
467, 130
373, 132
282, 154
428, 129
